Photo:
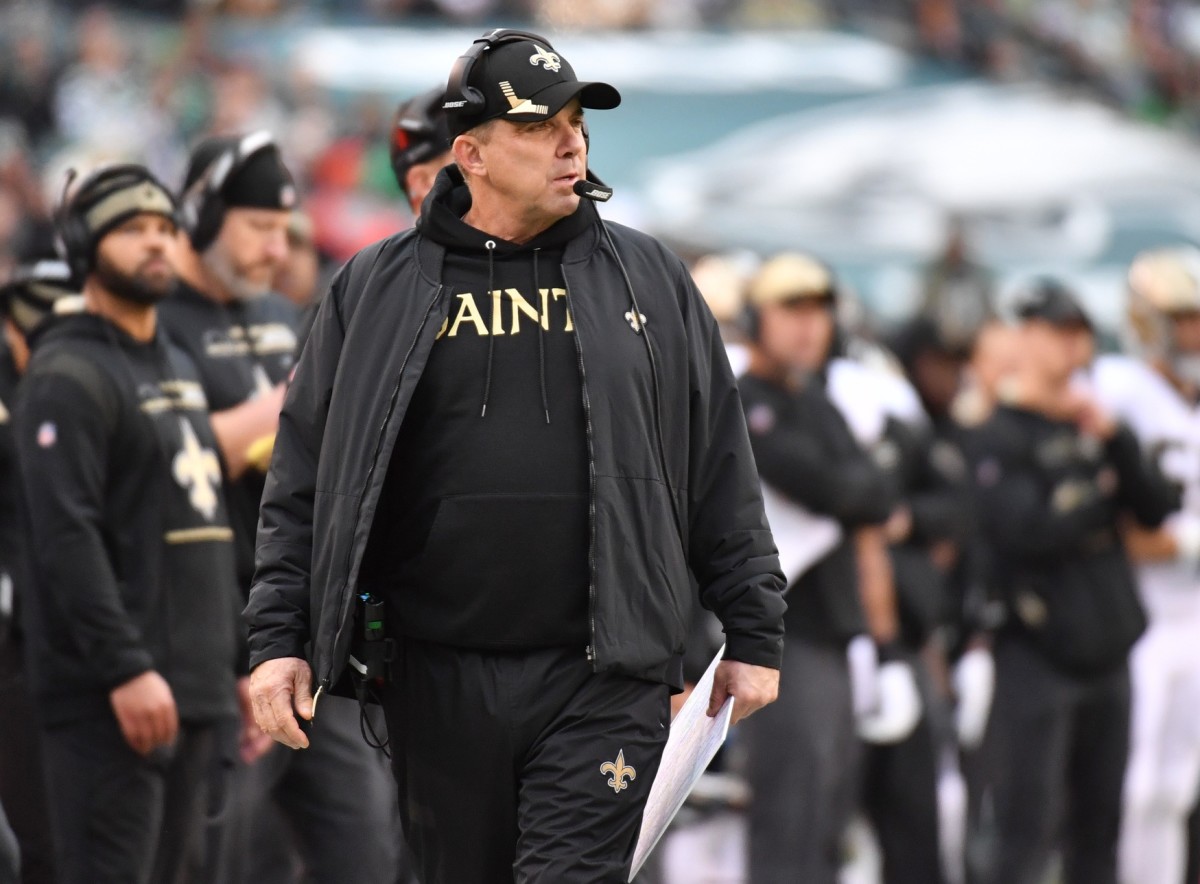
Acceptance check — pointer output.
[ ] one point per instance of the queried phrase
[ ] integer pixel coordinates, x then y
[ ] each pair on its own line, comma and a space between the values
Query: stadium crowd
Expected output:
990, 531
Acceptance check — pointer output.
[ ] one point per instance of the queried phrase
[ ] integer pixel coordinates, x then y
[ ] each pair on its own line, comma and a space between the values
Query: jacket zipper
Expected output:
326, 679
587, 421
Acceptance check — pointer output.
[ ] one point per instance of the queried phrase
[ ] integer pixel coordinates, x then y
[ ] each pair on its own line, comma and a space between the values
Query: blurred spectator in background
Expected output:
803, 750
927, 535
239, 207
1056, 476
28, 82
420, 145
957, 291
101, 103
934, 359
722, 280
27, 303
26, 231
994, 361
1155, 391
297, 276
131, 624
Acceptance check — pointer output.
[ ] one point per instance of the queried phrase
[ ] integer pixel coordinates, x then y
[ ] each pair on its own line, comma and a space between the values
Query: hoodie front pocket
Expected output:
500, 570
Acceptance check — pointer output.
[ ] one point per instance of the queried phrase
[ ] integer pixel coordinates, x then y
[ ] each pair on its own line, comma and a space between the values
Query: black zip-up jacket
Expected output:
351, 392
1049, 504
132, 551
804, 448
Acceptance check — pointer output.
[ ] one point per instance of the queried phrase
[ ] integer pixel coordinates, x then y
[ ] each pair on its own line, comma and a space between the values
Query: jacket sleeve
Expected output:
1022, 517
63, 441
731, 551
854, 491
1143, 489
278, 610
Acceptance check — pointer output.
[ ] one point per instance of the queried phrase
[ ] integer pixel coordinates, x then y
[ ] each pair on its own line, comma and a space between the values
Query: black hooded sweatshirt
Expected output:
132, 549
482, 534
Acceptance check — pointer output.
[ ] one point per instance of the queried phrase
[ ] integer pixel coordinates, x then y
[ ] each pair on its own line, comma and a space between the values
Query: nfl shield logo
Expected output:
47, 434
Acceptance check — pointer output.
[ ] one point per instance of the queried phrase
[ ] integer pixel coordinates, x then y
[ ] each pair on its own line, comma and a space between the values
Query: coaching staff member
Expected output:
1057, 476
131, 624
517, 426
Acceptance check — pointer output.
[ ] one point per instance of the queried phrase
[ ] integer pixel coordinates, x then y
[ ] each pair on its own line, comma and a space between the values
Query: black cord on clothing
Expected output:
490, 245
537, 294
361, 689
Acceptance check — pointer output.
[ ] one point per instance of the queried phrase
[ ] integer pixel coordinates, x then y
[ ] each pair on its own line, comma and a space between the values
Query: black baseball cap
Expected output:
522, 80
258, 180
419, 132
1051, 301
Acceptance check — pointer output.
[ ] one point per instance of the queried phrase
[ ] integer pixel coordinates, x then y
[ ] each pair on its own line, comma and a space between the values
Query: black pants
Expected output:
1053, 768
900, 784
10, 853
323, 815
803, 758
502, 763
22, 779
121, 818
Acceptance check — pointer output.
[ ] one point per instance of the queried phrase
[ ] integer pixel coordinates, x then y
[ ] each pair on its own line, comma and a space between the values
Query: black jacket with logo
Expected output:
241, 350
355, 383
805, 450
1049, 504
132, 549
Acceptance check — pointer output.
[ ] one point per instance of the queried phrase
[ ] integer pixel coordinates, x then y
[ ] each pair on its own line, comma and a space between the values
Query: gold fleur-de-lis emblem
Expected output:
618, 771
549, 60
635, 320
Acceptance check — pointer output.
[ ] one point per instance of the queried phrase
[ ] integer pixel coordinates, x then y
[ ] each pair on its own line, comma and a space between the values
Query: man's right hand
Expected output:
146, 713
277, 687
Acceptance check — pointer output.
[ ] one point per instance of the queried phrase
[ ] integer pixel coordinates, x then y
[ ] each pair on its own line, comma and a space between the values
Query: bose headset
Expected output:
202, 209
75, 233
460, 94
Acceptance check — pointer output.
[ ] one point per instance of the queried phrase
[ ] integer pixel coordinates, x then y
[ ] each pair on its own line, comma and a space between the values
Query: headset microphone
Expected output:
593, 190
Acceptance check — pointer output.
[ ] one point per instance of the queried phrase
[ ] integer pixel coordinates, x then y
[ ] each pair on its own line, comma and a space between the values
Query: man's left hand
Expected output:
752, 688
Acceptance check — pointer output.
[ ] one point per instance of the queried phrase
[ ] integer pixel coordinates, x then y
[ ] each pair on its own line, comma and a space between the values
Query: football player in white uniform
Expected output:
1156, 391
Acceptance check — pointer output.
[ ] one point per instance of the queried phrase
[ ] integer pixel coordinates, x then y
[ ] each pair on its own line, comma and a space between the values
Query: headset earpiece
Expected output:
202, 207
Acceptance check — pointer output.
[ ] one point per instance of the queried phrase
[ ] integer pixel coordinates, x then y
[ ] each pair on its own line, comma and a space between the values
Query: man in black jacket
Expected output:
1056, 475
238, 197
517, 429
804, 750
27, 302
131, 624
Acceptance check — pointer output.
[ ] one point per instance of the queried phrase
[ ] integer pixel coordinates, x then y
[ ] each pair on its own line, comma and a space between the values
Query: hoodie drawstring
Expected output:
537, 294
490, 245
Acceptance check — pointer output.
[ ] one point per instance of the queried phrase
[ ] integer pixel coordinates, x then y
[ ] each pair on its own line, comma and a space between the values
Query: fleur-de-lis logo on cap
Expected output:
618, 772
549, 60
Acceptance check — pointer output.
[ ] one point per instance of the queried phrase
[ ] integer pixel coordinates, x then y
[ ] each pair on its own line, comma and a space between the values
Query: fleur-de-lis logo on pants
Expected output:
618, 771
